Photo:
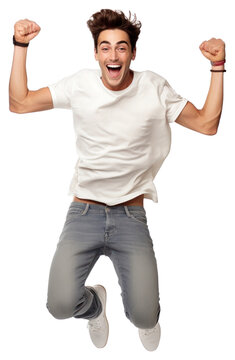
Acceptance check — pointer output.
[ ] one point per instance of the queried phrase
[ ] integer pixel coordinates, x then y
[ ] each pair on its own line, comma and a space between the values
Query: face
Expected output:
114, 55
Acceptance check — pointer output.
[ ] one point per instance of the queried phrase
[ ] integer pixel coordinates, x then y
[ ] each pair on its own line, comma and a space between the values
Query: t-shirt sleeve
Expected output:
61, 92
173, 102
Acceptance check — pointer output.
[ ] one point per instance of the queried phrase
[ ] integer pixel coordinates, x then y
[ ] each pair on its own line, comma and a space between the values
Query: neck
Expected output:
127, 82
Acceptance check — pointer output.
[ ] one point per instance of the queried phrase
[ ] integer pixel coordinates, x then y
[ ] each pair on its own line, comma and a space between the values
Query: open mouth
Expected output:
114, 70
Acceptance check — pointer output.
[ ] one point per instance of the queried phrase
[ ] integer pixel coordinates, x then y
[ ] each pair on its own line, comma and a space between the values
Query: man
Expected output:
121, 120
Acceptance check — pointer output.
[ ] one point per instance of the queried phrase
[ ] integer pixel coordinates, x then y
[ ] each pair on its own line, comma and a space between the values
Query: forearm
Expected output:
212, 108
18, 79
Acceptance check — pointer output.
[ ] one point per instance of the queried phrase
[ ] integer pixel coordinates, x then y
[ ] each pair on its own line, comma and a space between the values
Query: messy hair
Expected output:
109, 19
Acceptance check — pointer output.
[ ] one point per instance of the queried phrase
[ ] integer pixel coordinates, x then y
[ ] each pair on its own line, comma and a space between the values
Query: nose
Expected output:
113, 55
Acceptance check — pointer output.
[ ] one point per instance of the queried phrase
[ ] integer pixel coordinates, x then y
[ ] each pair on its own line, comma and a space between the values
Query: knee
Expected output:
144, 319
60, 310
144, 322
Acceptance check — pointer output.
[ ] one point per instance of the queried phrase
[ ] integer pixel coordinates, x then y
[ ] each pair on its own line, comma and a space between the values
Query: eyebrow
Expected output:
119, 42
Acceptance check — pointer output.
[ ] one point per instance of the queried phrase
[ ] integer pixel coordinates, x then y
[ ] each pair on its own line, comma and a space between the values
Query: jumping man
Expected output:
121, 119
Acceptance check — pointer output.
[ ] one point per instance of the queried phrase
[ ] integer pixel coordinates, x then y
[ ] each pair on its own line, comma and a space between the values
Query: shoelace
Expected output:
148, 332
94, 325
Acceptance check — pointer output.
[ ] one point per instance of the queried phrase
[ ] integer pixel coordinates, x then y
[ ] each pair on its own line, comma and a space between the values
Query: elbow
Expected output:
211, 127
15, 106
212, 133
13, 109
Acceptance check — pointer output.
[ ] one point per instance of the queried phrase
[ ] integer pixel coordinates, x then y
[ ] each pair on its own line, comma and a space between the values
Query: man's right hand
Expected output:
25, 30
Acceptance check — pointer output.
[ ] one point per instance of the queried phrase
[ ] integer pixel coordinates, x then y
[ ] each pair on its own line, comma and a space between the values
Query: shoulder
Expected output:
152, 76
81, 74
84, 77
86, 73
153, 79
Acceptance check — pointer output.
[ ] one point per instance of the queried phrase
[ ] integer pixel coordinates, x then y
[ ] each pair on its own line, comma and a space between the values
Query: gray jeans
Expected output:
119, 232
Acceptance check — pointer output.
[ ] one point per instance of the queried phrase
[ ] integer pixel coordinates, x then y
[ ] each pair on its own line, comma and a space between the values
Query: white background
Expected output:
192, 226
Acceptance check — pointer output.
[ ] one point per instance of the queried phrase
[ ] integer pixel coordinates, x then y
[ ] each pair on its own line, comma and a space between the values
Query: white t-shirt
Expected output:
122, 137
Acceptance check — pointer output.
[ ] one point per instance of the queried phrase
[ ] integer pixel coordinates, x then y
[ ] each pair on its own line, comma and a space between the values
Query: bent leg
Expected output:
74, 258
135, 264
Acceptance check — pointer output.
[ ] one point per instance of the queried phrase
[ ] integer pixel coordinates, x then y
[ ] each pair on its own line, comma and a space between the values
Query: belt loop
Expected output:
127, 211
86, 209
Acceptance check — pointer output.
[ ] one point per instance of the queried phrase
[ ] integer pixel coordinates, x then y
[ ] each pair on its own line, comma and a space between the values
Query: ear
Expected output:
96, 54
134, 54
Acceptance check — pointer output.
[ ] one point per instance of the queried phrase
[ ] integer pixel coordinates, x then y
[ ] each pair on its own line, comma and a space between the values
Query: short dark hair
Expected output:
109, 19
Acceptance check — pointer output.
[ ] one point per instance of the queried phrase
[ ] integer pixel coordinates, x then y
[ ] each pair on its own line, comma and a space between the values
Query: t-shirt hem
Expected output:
117, 200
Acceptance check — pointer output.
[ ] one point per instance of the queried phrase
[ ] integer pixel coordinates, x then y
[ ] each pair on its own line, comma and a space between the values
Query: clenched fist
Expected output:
25, 30
213, 49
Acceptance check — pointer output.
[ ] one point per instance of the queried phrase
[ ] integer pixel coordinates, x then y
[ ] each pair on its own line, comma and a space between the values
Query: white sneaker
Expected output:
150, 338
99, 327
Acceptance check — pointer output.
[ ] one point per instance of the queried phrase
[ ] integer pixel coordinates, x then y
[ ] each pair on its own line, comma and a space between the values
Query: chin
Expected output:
113, 82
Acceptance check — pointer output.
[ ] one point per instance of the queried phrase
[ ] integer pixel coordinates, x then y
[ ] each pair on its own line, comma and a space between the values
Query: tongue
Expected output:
114, 72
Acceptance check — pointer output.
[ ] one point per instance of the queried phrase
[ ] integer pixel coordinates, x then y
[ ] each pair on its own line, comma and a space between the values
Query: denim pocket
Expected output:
139, 216
75, 210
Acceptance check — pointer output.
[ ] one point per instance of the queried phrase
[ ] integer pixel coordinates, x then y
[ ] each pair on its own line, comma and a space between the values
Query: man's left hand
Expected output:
213, 49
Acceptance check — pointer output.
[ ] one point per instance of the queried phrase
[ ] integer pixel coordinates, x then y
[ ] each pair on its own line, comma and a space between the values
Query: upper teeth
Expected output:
113, 66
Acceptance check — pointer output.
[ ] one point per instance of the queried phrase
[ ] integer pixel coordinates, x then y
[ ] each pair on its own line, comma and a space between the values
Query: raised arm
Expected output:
21, 99
206, 120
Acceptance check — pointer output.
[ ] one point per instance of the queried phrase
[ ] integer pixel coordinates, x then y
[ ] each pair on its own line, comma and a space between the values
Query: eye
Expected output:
104, 49
122, 49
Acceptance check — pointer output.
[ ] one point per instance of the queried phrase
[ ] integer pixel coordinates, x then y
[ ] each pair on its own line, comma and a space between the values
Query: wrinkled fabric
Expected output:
122, 137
